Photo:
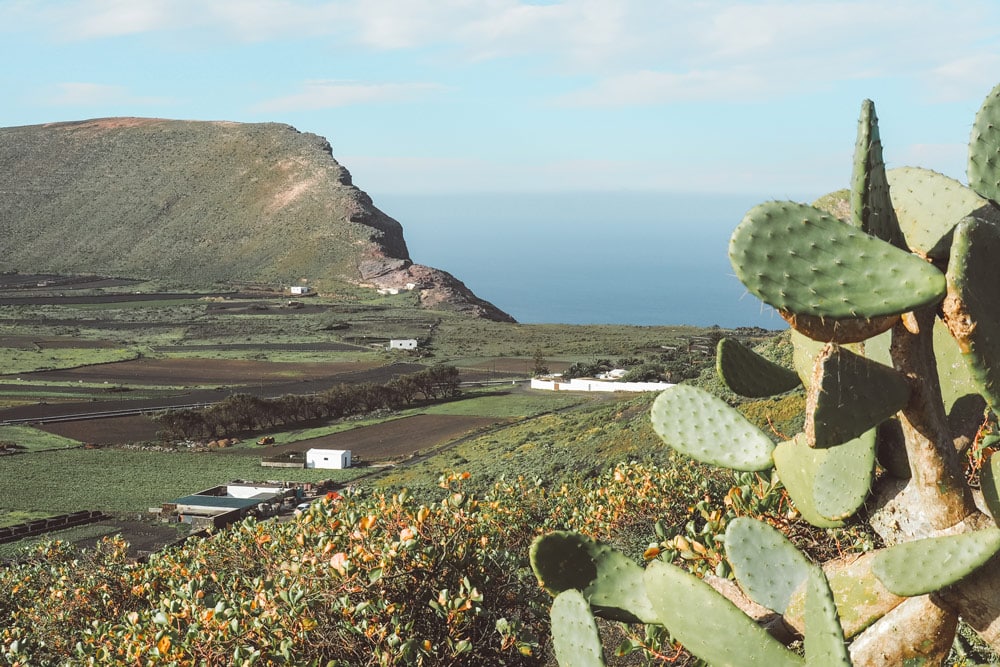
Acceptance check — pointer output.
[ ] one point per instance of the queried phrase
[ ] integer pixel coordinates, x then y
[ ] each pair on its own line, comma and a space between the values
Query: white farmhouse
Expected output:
328, 458
403, 344
299, 289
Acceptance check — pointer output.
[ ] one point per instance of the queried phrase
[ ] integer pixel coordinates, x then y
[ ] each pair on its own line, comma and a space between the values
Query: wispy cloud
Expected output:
648, 87
685, 50
330, 94
79, 94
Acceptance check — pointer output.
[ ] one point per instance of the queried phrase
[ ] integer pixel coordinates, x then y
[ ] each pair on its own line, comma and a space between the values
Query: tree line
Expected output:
241, 413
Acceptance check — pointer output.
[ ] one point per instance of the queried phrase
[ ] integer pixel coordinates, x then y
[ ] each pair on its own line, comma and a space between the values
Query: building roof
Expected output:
227, 502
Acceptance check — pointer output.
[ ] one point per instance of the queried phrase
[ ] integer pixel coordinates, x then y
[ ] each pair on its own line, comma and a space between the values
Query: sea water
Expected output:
588, 258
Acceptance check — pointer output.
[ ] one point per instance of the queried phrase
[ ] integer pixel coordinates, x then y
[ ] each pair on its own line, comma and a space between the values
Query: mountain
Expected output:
198, 202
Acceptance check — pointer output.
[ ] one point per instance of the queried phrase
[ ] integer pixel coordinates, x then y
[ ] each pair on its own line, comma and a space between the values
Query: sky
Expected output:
489, 96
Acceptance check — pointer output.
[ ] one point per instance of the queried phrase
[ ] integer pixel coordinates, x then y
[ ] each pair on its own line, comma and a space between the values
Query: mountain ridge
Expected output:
202, 201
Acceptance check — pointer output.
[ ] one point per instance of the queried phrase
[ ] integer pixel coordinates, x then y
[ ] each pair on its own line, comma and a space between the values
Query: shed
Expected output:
403, 344
328, 458
299, 289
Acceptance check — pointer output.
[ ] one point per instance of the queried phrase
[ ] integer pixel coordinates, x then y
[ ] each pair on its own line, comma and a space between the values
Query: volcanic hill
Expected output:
197, 202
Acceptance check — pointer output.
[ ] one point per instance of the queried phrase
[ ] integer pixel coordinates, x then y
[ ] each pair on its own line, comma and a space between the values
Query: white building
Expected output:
403, 344
299, 289
328, 458
591, 384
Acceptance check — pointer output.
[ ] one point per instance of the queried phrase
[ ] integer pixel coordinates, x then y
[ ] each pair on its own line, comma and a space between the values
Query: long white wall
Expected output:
589, 384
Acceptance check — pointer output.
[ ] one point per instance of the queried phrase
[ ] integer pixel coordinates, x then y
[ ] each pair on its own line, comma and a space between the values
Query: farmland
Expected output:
91, 361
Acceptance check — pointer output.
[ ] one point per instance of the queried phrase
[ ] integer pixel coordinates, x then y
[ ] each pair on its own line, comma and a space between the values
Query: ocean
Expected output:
588, 258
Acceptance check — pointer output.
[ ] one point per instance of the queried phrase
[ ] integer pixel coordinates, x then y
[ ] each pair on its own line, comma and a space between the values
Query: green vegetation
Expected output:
143, 226
493, 403
14, 550
13, 517
26, 361
431, 575
117, 480
375, 579
33, 439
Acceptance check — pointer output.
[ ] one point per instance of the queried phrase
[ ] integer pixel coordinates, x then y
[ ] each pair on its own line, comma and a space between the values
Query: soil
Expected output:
181, 372
110, 431
139, 428
143, 537
389, 440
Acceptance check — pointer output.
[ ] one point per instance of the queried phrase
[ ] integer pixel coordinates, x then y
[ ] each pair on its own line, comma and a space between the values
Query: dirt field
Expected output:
110, 431
259, 385
397, 438
181, 372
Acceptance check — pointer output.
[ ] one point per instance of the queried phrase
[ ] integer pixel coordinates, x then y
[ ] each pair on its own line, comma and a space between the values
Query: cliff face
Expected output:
199, 203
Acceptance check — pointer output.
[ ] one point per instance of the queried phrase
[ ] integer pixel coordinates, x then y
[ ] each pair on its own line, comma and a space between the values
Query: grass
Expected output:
33, 439
14, 360
14, 517
550, 447
508, 404
115, 480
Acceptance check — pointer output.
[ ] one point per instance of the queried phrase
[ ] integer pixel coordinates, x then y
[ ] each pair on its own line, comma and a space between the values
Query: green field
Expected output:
33, 439
116, 480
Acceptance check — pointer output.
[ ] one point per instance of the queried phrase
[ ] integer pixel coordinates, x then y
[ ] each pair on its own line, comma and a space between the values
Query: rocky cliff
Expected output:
201, 203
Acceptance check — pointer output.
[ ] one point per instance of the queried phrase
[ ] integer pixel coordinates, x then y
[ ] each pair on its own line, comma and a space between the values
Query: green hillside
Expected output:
199, 203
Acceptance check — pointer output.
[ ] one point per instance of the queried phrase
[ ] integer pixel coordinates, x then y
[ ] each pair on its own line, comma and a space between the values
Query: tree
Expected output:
896, 324
538, 364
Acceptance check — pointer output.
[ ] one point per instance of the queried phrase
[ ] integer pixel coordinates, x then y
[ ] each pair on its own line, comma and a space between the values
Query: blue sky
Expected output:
442, 96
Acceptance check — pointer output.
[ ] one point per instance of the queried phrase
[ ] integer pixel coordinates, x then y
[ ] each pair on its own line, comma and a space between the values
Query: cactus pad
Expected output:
703, 426
611, 582
827, 485
871, 207
851, 330
983, 169
848, 395
989, 478
749, 374
928, 565
824, 637
574, 632
970, 310
860, 597
709, 625
929, 205
801, 260
767, 565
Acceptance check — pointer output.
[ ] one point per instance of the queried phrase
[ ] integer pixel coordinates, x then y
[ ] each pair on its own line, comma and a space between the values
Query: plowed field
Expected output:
400, 437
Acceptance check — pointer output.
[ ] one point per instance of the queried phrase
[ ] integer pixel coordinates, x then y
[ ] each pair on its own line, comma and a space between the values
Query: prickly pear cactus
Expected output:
896, 322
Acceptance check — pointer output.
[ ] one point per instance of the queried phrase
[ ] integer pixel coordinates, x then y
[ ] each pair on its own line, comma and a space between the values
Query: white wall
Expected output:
590, 384
245, 491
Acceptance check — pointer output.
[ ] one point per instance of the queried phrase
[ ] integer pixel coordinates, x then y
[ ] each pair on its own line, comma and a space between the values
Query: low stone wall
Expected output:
282, 464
